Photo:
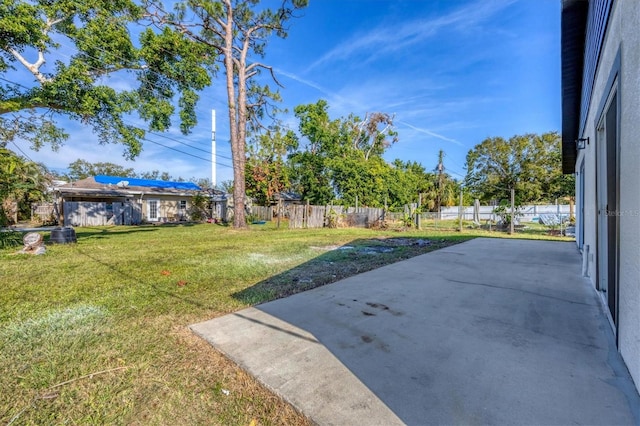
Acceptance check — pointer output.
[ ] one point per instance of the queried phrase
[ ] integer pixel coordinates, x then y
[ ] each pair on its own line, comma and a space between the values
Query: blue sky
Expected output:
453, 72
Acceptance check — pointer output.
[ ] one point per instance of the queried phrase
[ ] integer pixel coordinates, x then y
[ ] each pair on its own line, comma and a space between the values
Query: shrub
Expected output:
10, 239
504, 213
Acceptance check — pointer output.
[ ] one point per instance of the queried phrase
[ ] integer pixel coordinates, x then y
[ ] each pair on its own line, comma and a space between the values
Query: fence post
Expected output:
279, 210
418, 211
513, 211
384, 212
460, 213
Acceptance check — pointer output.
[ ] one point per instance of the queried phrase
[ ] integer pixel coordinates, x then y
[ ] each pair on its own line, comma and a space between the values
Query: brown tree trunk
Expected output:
236, 124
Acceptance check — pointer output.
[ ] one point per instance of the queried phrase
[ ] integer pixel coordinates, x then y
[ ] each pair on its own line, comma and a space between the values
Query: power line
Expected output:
186, 153
153, 86
14, 82
145, 139
454, 163
23, 153
199, 118
185, 144
455, 173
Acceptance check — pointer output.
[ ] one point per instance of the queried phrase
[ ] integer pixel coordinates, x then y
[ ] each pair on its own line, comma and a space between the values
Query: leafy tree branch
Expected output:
75, 46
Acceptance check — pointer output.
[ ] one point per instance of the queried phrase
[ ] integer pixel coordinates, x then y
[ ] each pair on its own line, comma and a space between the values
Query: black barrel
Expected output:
64, 235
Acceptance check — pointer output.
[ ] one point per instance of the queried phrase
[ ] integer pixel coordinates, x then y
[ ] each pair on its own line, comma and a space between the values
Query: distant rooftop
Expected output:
120, 181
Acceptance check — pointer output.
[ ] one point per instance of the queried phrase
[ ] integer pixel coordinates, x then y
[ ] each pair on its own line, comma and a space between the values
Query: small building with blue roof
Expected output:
115, 200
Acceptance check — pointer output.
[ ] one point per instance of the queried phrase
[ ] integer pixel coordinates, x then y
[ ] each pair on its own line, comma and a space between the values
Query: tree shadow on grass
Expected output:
335, 263
106, 232
111, 230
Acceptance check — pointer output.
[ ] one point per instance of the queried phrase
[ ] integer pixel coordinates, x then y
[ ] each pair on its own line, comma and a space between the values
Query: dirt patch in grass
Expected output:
338, 262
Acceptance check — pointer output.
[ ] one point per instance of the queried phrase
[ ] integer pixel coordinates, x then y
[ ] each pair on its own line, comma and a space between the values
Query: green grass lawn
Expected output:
96, 332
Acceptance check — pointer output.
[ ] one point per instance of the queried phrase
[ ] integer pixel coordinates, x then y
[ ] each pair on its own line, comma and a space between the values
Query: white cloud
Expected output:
392, 37
430, 133
382, 95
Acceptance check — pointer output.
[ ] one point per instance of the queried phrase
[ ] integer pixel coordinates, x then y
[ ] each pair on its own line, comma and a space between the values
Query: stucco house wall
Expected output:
168, 207
618, 70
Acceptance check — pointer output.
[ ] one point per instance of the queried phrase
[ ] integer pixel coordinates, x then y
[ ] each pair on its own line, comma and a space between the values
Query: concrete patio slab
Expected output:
491, 331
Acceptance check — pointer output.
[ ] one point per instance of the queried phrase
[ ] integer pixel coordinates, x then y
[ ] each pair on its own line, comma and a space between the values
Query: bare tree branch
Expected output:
267, 67
33, 68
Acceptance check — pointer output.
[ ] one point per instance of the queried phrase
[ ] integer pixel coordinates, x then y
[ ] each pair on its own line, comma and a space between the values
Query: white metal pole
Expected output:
213, 148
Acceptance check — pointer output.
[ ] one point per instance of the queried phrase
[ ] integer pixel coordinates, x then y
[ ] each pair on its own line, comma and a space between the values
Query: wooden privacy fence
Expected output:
262, 212
334, 216
42, 211
85, 213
